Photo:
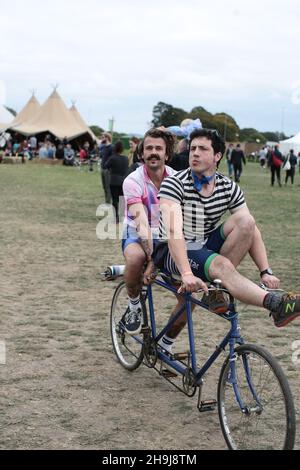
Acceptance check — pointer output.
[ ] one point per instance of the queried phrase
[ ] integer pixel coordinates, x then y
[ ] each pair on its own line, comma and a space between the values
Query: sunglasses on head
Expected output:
216, 133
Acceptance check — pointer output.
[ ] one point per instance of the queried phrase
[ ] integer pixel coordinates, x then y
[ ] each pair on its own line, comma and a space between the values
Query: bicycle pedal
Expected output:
168, 374
208, 405
181, 356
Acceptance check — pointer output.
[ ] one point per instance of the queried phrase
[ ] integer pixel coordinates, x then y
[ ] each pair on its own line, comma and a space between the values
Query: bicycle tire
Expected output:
128, 349
273, 425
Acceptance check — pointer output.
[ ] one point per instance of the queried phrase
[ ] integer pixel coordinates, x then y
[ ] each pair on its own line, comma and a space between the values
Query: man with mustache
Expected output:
141, 224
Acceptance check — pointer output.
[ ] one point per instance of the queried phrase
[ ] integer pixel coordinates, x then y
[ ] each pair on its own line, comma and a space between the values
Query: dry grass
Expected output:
62, 386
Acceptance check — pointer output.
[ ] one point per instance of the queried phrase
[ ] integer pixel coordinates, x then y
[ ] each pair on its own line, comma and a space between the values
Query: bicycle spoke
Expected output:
265, 423
128, 348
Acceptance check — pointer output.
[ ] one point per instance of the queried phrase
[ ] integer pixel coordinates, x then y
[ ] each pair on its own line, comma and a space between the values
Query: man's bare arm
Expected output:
172, 218
138, 212
258, 253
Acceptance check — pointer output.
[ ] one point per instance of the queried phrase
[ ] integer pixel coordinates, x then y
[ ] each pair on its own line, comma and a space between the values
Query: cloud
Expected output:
118, 58
2, 92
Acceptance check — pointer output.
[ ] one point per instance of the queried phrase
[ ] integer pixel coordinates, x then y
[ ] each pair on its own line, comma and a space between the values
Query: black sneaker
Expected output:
132, 321
288, 309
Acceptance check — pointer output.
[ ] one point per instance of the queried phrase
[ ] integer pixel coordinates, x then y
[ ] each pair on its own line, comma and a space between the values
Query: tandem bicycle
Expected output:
254, 402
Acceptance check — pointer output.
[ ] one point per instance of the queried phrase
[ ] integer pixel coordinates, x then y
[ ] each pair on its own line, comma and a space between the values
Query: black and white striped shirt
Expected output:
200, 214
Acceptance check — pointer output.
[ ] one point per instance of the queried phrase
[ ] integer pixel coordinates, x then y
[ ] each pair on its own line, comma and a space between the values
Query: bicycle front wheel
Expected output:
128, 348
267, 420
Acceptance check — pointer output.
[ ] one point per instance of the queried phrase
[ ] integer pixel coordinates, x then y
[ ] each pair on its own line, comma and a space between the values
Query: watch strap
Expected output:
266, 271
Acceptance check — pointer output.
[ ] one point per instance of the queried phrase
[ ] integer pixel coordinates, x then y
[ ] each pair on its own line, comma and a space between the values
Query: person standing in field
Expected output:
275, 160
292, 159
105, 153
237, 157
228, 160
117, 165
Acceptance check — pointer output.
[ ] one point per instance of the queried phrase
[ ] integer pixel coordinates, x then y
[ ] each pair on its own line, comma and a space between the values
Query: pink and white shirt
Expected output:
139, 188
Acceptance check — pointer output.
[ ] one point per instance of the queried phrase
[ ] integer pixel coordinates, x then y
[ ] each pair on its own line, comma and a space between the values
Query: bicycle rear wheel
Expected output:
268, 421
128, 349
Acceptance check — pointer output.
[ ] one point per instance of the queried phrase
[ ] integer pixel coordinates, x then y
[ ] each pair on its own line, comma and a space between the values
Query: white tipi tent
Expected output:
28, 113
289, 144
53, 117
75, 113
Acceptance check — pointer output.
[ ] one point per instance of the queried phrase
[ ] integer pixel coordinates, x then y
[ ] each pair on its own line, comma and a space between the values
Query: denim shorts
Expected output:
130, 235
200, 256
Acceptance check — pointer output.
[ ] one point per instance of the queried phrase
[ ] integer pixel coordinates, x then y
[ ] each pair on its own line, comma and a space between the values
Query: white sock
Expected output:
166, 343
134, 304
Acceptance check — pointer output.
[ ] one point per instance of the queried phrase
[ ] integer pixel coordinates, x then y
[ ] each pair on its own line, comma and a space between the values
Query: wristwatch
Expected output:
266, 271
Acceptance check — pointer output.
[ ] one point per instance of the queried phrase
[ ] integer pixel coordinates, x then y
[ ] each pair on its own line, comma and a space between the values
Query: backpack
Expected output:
276, 161
287, 164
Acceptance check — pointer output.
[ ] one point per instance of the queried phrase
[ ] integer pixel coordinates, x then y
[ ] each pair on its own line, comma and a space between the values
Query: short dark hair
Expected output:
134, 139
159, 134
118, 147
217, 141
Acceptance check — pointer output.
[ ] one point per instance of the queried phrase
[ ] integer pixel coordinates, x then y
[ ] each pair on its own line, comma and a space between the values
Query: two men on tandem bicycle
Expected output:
255, 404
193, 243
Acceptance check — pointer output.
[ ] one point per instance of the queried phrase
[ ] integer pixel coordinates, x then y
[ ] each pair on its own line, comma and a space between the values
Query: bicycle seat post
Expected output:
218, 283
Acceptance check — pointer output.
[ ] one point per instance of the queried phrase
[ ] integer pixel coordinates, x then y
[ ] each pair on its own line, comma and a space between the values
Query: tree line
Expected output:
167, 115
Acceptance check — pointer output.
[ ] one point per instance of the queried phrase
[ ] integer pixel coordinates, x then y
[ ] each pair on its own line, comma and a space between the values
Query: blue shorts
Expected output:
200, 256
130, 235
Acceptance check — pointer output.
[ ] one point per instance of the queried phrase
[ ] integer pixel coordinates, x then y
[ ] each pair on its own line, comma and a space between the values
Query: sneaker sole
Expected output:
132, 333
288, 320
219, 310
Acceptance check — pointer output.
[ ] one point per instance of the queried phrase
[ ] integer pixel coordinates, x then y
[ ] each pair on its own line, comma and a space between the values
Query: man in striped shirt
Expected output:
201, 249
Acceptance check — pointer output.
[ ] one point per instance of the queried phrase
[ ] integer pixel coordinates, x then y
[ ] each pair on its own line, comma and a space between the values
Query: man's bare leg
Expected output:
239, 232
239, 286
134, 260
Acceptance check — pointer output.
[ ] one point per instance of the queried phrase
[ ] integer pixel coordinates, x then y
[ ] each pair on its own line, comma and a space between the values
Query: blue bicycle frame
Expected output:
232, 338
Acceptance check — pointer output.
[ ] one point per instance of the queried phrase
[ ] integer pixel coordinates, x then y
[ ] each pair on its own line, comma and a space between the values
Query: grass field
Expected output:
61, 386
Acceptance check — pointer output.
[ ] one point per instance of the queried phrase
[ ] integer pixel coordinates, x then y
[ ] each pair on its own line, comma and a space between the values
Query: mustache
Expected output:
154, 156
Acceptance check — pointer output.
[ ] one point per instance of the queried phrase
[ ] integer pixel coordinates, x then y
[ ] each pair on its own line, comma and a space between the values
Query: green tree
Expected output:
205, 117
282, 136
166, 115
252, 135
227, 126
222, 122
98, 131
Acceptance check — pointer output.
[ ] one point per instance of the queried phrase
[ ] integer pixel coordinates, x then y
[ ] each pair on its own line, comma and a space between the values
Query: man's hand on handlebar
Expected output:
150, 273
191, 283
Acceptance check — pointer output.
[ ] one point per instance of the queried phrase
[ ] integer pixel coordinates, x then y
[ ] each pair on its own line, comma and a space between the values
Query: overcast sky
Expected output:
119, 58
